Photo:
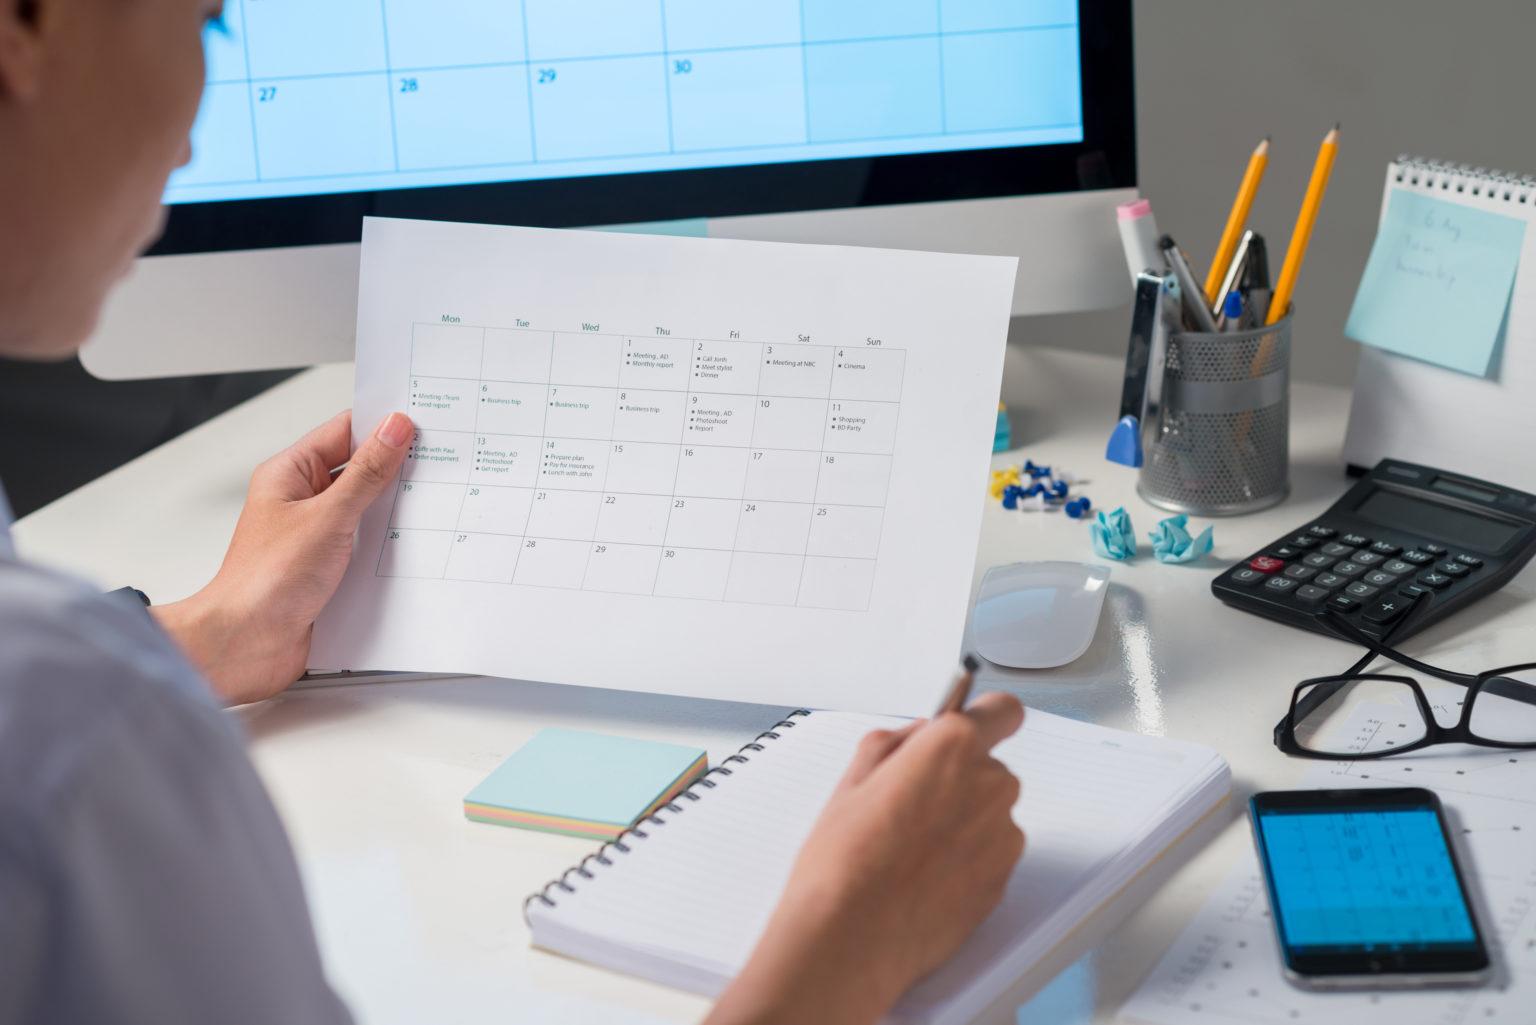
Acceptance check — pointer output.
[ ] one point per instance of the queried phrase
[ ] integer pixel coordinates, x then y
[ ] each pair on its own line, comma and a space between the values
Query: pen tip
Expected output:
971, 663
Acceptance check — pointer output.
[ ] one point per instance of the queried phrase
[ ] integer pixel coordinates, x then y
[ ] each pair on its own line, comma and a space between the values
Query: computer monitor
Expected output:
992, 126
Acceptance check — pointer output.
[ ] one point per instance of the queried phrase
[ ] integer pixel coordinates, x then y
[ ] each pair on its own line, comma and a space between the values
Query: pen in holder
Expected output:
1217, 432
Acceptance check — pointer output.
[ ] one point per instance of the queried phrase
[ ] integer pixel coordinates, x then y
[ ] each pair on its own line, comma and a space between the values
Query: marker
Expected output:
1194, 302
1232, 312
1235, 269
960, 690
1138, 236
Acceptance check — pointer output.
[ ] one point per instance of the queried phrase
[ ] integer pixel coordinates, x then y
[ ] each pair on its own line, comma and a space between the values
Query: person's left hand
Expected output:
249, 629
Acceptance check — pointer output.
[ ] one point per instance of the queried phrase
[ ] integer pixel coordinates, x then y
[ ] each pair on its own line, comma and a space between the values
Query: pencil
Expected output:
1305, 221
960, 690
1237, 220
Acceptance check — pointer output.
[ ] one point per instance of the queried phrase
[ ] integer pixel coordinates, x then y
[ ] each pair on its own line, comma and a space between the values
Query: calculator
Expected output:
1402, 533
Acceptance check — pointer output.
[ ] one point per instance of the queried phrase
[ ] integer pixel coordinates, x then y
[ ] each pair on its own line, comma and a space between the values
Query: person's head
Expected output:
97, 99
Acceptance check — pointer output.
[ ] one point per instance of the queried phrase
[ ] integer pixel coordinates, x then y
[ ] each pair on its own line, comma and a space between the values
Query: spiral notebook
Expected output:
681, 900
1468, 406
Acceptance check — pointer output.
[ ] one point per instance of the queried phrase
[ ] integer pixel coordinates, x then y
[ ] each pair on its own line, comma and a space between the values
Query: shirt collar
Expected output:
6, 548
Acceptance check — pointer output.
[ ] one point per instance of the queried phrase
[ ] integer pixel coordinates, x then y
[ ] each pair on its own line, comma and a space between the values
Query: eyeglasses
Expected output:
1370, 715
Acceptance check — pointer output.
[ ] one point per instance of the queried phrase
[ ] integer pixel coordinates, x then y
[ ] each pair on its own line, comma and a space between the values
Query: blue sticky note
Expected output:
1438, 283
583, 784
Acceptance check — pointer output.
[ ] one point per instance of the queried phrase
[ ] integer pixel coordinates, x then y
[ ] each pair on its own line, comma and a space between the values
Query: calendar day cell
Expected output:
650, 415
848, 531
782, 475
516, 355
987, 15
705, 471
779, 528
798, 370
508, 408
719, 419
703, 523
726, 367
432, 34
861, 426
440, 117
853, 479
547, 562
507, 460
426, 505
872, 89
722, 24
633, 519
590, 109
863, 373
573, 465
592, 28
446, 350
660, 363
490, 558
621, 569
489, 509
318, 127
414, 553
443, 403
740, 98
586, 359
764, 579
636, 467
789, 423
580, 412
692, 573
439, 456
836, 583
567, 515
294, 37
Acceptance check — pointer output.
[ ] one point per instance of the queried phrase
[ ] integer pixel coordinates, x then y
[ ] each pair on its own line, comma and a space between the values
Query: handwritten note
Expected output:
1437, 285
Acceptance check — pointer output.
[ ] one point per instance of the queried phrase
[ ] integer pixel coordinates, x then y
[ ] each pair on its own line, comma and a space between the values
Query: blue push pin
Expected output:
1011, 496
1078, 508
1059, 488
1033, 490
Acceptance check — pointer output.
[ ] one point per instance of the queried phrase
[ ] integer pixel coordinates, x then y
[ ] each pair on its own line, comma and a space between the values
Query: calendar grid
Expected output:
759, 524
366, 91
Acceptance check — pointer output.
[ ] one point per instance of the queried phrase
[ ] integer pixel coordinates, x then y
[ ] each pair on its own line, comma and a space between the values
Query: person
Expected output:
144, 873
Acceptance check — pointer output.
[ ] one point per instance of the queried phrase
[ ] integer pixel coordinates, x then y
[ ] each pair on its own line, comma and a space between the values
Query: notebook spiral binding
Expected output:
600, 856
1464, 178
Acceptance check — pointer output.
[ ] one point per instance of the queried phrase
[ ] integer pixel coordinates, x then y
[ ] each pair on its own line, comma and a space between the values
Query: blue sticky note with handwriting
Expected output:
1438, 282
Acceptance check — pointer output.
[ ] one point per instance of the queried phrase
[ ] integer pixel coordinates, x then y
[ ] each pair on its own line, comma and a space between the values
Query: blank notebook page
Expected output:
688, 901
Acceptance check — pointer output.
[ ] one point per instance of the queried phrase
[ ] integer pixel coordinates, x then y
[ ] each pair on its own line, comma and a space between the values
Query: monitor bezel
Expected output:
1104, 159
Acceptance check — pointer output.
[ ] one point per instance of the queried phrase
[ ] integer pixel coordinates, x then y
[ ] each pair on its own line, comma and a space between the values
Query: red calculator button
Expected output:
1266, 564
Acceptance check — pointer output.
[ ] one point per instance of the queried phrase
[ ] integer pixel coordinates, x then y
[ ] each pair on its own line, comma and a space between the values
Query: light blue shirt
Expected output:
144, 875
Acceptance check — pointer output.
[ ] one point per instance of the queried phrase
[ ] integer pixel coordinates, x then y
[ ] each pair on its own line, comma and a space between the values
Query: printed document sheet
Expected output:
736, 470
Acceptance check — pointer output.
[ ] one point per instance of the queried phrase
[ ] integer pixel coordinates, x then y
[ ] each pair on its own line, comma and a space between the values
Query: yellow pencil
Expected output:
1237, 220
1305, 221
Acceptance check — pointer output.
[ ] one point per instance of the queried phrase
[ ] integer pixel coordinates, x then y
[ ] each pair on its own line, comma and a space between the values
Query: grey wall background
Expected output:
1450, 79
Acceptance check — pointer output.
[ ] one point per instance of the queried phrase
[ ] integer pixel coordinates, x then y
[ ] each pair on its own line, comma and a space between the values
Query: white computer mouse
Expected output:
1038, 615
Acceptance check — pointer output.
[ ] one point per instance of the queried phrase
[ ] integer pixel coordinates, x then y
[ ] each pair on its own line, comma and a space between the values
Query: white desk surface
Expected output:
418, 910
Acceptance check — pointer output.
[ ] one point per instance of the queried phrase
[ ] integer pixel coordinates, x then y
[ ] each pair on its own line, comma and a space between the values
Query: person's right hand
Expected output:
910, 854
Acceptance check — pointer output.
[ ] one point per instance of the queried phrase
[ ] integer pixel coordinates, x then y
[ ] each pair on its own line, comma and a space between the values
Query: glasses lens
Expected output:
1505, 709
1357, 716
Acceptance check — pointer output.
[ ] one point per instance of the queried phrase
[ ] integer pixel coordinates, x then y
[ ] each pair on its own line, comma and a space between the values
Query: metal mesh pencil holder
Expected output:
1217, 437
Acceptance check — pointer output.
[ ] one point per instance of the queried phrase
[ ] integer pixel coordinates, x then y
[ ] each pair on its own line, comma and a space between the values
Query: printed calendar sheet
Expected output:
736, 470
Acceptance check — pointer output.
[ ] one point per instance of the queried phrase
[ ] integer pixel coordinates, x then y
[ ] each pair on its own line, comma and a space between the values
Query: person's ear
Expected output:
21, 47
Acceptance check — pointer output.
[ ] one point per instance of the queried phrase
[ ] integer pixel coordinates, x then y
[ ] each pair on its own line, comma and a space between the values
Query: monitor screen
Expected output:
347, 96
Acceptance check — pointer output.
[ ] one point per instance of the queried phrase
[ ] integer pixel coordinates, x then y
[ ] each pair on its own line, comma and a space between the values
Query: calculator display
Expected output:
1450, 525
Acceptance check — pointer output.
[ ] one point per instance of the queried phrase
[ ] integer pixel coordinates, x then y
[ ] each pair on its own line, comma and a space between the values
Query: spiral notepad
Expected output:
682, 898
1476, 421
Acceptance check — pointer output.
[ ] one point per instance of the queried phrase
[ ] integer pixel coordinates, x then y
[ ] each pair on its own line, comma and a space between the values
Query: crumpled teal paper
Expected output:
1113, 536
1171, 541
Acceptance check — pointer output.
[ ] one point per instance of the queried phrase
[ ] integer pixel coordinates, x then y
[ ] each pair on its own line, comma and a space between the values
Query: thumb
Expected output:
373, 466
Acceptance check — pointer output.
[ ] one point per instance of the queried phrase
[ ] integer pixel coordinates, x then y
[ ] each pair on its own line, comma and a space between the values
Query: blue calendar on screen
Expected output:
1364, 878
359, 95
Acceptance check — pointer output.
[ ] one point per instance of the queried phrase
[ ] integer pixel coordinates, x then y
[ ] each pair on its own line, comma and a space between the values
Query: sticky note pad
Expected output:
1438, 282
583, 784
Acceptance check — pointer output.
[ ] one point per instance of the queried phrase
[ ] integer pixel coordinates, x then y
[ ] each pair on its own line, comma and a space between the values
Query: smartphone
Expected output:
1365, 889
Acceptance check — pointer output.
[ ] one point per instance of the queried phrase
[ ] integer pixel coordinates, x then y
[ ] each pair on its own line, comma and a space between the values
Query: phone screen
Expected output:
1365, 882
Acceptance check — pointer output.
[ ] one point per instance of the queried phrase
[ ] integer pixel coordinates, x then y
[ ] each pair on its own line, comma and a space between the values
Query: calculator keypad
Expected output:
1378, 580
